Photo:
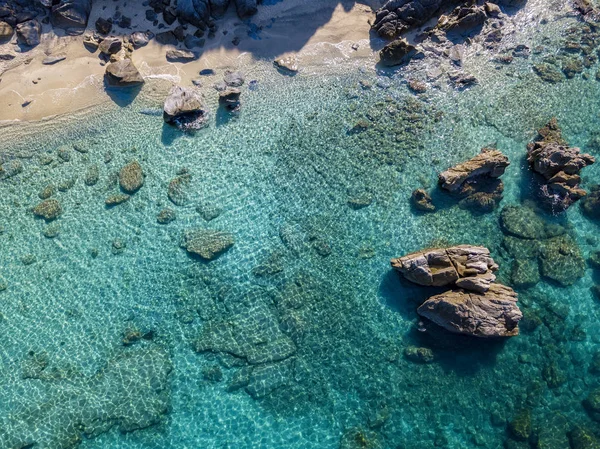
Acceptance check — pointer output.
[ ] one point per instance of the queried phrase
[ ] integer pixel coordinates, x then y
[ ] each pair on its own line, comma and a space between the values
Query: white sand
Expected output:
318, 32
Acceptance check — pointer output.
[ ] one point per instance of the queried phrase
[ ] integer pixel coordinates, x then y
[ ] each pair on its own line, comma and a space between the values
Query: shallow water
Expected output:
306, 268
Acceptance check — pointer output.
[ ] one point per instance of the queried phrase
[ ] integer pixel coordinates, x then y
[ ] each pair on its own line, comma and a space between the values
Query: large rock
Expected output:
559, 165
246, 8
397, 52
491, 314
207, 243
196, 12
71, 13
489, 163
123, 74
465, 266
29, 33
398, 16
184, 108
131, 177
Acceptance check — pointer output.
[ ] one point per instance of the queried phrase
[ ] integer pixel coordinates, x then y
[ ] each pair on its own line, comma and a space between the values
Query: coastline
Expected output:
78, 81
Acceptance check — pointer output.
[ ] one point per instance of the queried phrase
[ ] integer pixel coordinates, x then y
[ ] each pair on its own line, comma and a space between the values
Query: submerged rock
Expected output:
419, 355
49, 209
123, 73
520, 426
465, 18
177, 190
491, 314
397, 52
465, 266
207, 243
184, 108
559, 165
131, 177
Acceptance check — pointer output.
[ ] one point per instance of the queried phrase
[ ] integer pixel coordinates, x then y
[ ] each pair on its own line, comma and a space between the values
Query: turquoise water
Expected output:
100, 324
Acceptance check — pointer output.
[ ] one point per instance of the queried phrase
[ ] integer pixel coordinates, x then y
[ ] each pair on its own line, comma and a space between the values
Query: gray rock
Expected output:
123, 73
29, 33
176, 55
230, 99
487, 315
71, 13
185, 109
422, 200
467, 266
196, 12
207, 243
166, 38
131, 177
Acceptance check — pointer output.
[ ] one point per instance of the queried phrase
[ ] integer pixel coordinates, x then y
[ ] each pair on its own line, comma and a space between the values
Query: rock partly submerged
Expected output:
184, 108
559, 166
477, 306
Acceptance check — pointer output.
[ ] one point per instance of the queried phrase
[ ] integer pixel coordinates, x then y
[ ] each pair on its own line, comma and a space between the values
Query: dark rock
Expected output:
562, 261
520, 426
176, 55
191, 41
523, 222
151, 15
170, 16
207, 243
179, 33
123, 73
491, 314
559, 165
124, 22
29, 33
103, 26
591, 203
131, 177
463, 19
421, 200
207, 72
71, 13
592, 404
196, 12
92, 176
397, 52
139, 39
583, 438
184, 108
419, 355
49, 209
548, 72
177, 191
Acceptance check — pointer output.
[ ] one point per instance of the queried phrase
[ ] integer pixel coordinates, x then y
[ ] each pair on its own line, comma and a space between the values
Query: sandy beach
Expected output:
277, 30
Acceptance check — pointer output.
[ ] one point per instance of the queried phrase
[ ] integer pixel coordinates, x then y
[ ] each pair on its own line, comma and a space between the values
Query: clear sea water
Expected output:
306, 268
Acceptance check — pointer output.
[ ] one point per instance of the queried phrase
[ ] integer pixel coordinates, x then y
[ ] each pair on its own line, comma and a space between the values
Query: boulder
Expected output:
29, 33
49, 209
207, 243
116, 199
397, 52
184, 108
131, 177
71, 13
489, 163
246, 8
491, 314
465, 266
176, 55
230, 99
123, 74
523, 222
559, 166
396, 17
6, 31
421, 200
166, 38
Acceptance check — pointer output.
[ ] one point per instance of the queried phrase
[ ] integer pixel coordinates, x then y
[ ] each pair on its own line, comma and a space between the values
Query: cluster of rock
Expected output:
539, 248
559, 166
477, 306
476, 183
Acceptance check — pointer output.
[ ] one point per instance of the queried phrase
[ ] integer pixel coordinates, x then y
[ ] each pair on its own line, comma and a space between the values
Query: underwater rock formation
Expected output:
207, 243
479, 307
466, 266
559, 165
476, 181
184, 108
491, 314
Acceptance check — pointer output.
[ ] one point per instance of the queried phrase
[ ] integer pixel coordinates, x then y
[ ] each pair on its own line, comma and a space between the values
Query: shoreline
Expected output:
78, 81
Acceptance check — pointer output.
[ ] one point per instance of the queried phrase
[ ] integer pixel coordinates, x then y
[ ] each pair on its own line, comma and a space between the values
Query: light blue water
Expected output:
282, 173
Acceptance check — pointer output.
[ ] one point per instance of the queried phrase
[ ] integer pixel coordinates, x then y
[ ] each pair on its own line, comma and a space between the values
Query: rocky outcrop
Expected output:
207, 243
184, 108
71, 13
476, 182
465, 266
29, 33
123, 74
490, 314
477, 306
397, 52
287, 65
559, 165
396, 17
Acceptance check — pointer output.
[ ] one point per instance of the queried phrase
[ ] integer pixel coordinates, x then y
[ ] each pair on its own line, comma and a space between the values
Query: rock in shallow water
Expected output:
490, 314
207, 243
